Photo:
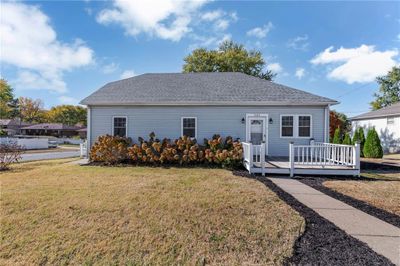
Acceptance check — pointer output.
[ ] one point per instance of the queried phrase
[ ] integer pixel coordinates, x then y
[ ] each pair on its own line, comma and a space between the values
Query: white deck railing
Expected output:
324, 154
83, 149
254, 154
316, 154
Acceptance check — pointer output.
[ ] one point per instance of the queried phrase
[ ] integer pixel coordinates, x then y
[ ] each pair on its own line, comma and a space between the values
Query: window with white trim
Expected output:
390, 120
189, 126
296, 126
304, 126
287, 126
119, 126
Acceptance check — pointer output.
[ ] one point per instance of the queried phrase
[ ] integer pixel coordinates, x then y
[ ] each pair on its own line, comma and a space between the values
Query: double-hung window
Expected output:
287, 126
120, 126
296, 126
189, 125
304, 126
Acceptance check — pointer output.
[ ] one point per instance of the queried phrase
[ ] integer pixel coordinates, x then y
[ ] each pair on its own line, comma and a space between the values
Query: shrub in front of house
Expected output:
110, 150
372, 146
337, 136
182, 151
360, 138
347, 139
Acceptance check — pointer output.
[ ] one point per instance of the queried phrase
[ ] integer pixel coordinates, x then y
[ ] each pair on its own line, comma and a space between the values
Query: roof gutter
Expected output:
209, 103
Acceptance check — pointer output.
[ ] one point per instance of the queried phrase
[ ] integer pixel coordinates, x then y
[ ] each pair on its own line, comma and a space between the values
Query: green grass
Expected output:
57, 213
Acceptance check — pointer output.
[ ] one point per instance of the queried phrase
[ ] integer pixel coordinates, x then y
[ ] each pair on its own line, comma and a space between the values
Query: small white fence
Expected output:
315, 158
83, 149
253, 154
324, 154
29, 144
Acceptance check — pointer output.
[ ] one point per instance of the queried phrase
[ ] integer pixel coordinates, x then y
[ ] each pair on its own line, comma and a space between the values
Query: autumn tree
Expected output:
31, 110
67, 114
389, 89
8, 104
229, 57
338, 120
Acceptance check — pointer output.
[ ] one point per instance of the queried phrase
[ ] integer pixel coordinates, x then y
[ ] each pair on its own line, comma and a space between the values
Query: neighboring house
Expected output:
386, 122
12, 126
200, 105
51, 129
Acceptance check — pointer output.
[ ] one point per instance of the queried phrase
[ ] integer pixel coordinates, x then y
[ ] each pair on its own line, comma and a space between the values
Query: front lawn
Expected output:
57, 213
381, 191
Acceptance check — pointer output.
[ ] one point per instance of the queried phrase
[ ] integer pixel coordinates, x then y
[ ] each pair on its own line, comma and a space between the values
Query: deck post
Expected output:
262, 158
312, 150
356, 158
291, 158
251, 156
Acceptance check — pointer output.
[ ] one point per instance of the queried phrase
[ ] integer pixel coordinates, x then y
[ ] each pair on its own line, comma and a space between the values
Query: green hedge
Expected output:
372, 147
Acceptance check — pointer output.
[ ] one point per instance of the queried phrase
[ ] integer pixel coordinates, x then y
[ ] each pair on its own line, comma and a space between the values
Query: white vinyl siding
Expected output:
166, 122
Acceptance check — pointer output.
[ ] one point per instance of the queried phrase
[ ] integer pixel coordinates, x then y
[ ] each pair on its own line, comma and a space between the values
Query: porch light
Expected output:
243, 120
270, 120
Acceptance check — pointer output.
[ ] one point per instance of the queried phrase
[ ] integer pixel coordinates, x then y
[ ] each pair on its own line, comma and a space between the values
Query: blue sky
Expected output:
61, 51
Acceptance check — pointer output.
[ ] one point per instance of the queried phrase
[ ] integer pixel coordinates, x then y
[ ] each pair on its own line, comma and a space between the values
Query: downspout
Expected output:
326, 126
88, 131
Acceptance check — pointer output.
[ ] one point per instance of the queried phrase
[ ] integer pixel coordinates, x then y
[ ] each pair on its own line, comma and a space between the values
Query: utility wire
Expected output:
353, 90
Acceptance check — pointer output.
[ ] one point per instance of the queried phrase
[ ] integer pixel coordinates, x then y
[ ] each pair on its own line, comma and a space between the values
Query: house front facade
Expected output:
386, 122
200, 105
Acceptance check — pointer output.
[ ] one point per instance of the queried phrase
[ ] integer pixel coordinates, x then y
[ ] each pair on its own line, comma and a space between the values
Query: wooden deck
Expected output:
283, 162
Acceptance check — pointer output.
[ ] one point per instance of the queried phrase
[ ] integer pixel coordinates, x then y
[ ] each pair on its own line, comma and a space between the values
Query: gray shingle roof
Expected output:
392, 110
225, 88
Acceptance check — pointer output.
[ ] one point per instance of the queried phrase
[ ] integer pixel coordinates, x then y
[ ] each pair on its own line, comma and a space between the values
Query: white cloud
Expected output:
275, 67
222, 24
300, 72
110, 68
360, 64
212, 15
165, 19
29, 43
68, 100
128, 74
299, 43
213, 41
261, 32
220, 18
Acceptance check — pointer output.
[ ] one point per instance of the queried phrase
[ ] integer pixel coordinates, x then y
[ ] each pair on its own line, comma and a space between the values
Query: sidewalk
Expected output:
380, 236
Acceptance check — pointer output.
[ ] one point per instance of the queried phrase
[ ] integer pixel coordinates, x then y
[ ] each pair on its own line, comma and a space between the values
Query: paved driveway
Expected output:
49, 155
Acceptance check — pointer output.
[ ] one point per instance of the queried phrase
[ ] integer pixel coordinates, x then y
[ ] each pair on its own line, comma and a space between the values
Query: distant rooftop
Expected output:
53, 126
9, 122
392, 110
215, 88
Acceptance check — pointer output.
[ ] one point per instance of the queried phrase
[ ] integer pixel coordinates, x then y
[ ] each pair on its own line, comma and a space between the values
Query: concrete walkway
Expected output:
380, 236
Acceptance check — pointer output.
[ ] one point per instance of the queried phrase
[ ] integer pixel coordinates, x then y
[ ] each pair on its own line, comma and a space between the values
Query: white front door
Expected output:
256, 129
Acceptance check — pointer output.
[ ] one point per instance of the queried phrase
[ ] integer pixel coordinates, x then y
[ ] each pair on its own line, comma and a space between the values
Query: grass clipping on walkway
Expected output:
57, 213
382, 193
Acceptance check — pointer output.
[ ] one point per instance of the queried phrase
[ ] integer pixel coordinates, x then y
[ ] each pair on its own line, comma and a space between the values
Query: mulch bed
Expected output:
322, 243
317, 183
